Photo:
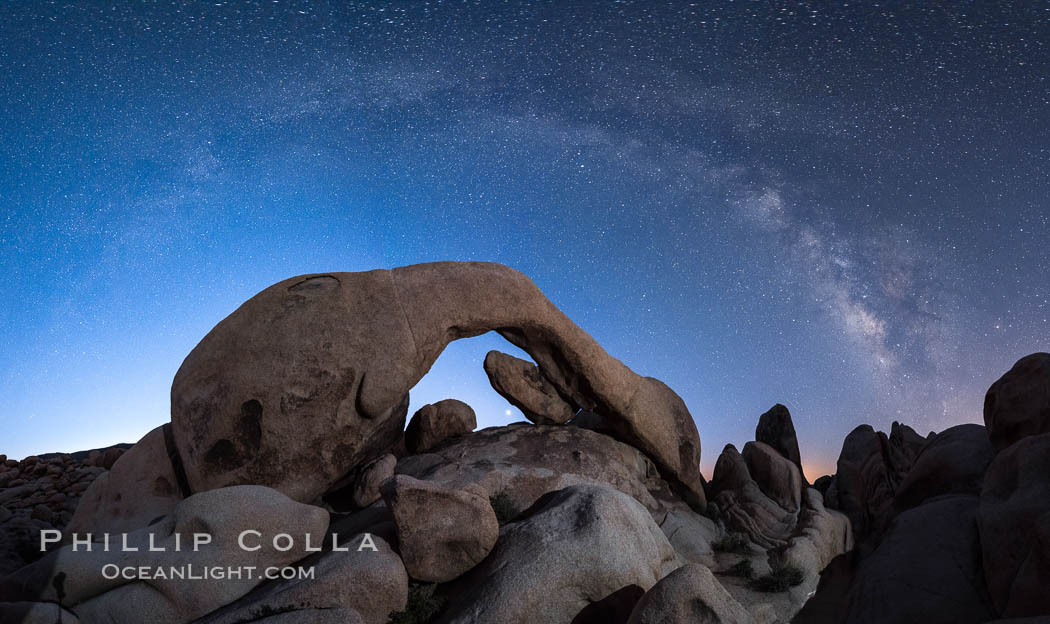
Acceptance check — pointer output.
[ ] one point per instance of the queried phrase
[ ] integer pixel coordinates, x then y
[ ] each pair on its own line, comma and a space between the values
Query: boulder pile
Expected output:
41, 493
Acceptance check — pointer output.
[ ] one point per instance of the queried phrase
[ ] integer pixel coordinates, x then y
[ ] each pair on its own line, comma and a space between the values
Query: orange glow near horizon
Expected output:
816, 469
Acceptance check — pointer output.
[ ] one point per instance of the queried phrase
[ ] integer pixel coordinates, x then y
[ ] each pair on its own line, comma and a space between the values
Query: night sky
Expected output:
843, 209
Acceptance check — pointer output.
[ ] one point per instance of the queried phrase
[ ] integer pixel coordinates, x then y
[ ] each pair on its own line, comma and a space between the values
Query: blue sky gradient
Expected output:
840, 209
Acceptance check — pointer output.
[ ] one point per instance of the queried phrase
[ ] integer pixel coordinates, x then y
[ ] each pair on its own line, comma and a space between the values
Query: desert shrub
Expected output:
780, 578
504, 507
423, 605
741, 568
733, 543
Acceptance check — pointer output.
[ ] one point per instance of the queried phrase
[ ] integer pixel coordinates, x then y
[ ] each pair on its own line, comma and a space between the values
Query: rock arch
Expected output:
324, 364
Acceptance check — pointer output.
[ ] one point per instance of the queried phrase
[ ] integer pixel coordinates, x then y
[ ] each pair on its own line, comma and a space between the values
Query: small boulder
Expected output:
42, 513
442, 532
371, 477
1018, 404
521, 383
435, 423
108, 457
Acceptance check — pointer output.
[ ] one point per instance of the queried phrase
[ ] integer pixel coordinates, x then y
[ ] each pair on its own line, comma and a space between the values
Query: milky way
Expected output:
842, 209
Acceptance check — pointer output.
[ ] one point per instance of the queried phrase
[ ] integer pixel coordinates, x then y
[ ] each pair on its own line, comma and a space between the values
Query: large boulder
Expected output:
310, 377
745, 507
166, 599
926, 570
902, 448
522, 462
598, 545
863, 489
1014, 525
871, 467
1018, 404
522, 384
435, 423
776, 429
954, 462
369, 580
821, 535
141, 486
777, 477
691, 535
442, 532
689, 595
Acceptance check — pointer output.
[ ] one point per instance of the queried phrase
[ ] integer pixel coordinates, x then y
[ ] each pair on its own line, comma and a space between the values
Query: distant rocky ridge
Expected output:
290, 416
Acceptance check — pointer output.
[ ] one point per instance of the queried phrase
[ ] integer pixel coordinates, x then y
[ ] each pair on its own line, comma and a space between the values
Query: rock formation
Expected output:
303, 392
524, 386
760, 495
310, 377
